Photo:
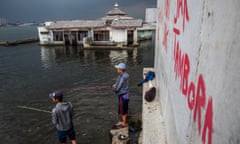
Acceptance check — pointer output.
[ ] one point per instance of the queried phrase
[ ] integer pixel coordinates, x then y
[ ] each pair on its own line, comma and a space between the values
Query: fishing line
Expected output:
91, 88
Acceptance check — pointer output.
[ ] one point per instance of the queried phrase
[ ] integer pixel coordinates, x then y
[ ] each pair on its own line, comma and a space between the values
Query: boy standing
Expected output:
121, 88
62, 117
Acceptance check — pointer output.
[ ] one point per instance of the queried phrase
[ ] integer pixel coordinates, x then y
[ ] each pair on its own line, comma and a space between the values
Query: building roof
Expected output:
76, 24
126, 23
114, 18
94, 24
116, 13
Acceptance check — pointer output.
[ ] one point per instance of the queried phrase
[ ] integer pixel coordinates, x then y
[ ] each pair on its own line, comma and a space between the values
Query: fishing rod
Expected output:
90, 88
34, 109
70, 90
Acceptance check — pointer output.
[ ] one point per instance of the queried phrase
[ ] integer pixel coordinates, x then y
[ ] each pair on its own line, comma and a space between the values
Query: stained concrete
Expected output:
152, 120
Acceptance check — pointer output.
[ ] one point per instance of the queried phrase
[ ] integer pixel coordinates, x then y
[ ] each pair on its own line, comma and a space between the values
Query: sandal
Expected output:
122, 137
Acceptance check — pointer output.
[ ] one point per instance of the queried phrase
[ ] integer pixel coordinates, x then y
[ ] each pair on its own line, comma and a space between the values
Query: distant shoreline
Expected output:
20, 24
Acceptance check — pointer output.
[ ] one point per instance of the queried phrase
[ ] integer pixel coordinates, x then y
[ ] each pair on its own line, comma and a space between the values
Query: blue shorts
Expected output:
123, 104
62, 135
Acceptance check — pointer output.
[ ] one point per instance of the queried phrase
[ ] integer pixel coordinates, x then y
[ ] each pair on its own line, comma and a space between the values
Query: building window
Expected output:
58, 36
82, 34
101, 35
45, 33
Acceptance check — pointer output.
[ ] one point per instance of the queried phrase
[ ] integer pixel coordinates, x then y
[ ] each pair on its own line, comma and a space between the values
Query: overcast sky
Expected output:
44, 10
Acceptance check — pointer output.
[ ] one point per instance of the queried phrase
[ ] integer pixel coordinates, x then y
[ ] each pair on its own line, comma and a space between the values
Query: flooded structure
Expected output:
115, 29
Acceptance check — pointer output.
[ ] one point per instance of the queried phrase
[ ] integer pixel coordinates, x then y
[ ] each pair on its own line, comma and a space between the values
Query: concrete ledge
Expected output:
115, 133
153, 124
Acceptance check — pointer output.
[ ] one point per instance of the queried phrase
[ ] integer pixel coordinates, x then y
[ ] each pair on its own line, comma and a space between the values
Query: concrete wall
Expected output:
44, 38
198, 70
118, 35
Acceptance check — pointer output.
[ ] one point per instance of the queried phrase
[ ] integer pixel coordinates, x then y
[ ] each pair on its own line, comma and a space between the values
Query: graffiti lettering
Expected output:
200, 101
165, 36
208, 124
196, 97
160, 16
182, 8
184, 78
166, 18
191, 90
195, 93
167, 6
160, 19
181, 67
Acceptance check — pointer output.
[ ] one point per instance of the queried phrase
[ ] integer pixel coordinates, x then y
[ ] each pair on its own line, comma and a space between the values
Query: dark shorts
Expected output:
62, 135
122, 104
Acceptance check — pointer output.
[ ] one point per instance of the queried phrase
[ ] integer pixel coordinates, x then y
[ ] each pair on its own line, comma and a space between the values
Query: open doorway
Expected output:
130, 34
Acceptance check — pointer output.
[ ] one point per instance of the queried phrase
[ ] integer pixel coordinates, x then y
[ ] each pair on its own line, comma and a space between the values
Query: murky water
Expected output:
29, 72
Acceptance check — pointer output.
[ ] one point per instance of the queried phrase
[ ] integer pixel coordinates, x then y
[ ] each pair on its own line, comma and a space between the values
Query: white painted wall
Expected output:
118, 35
208, 34
44, 38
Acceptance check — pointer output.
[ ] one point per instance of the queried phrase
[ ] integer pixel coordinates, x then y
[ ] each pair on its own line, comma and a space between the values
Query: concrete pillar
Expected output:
135, 37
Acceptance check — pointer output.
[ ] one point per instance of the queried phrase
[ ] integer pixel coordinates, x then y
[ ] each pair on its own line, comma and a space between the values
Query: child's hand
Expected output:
113, 85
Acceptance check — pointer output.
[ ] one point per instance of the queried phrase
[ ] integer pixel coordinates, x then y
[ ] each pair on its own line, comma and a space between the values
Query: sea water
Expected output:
29, 72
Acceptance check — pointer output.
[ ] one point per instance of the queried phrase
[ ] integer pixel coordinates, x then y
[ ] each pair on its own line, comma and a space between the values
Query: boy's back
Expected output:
62, 116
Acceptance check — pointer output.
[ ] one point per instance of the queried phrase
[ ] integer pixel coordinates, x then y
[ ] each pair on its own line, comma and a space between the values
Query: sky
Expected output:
50, 10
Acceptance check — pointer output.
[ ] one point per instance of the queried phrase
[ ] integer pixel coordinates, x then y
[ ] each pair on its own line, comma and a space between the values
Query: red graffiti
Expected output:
208, 124
181, 67
191, 92
160, 20
184, 79
166, 17
167, 10
182, 8
164, 42
200, 101
195, 93
160, 16
176, 31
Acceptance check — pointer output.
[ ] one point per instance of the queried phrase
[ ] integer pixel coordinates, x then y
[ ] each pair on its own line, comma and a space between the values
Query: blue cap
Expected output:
121, 66
56, 94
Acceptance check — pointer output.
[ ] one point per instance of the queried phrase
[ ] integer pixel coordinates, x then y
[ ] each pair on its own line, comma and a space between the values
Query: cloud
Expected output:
138, 10
43, 10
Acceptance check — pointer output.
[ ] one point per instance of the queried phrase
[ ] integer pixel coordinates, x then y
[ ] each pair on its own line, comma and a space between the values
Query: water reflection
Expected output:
29, 73
51, 56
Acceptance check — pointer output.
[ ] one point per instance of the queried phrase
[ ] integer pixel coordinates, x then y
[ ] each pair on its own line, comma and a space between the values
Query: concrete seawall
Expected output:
197, 71
18, 42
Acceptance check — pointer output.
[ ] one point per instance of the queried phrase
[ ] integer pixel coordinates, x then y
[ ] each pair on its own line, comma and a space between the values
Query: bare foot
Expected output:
124, 124
119, 123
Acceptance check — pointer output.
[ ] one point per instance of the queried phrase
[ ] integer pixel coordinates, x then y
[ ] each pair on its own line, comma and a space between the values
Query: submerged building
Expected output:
115, 29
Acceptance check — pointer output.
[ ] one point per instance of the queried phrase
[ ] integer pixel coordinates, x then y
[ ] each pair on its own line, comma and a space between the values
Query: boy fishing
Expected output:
121, 89
62, 117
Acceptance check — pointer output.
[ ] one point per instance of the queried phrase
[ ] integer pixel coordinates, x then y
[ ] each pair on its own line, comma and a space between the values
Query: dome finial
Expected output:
116, 5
